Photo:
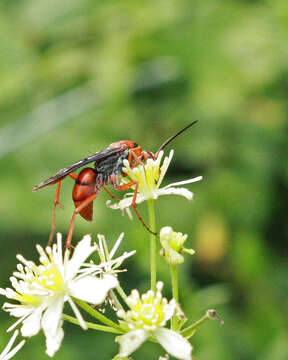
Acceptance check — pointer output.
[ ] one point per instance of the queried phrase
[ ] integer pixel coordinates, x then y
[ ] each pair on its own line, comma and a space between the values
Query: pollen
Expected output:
147, 175
148, 311
33, 283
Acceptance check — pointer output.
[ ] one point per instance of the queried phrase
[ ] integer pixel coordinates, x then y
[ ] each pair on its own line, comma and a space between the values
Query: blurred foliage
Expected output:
77, 75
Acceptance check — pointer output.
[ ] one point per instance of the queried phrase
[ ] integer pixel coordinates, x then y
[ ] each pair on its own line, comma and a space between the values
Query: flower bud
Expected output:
172, 243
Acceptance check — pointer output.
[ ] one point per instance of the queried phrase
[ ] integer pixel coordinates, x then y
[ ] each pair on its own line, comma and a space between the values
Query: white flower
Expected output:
149, 177
108, 265
147, 317
43, 289
6, 353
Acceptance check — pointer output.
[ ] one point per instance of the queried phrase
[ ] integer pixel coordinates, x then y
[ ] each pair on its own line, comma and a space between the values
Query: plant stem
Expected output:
92, 325
95, 313
121, 292
190, 329
174, 281
116, 301
153, 250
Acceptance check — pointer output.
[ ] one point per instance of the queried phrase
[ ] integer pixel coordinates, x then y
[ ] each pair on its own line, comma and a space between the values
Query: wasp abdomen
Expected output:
83, 188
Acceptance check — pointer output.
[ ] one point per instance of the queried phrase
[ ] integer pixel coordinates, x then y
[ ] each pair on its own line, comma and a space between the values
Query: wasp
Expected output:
108, 167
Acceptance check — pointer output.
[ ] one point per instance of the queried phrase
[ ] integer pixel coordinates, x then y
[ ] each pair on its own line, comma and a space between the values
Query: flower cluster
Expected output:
149, 177
39, 291
147, 317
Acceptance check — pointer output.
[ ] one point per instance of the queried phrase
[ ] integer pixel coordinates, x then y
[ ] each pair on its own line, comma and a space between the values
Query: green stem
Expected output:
121, 292
174, 280
116, 301
95, 313
92, 325
153, 248
190, 329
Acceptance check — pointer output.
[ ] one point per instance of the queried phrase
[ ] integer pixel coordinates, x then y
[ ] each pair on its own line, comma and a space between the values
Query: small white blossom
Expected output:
149, 177
42, 290
6, 353
107, 264
147, 317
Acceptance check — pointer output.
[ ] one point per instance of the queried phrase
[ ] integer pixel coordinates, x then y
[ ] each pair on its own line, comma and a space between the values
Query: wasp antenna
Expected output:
174, 136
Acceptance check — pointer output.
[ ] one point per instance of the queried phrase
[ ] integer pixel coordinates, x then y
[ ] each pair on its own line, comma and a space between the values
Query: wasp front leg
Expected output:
56, 203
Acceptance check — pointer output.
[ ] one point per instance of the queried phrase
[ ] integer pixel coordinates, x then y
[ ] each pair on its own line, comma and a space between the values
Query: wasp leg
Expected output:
57, 203
132, 154
112, 196
76, 211
73, 176
133, 204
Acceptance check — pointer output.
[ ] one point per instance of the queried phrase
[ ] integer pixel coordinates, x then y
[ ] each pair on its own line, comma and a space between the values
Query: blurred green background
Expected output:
77, 75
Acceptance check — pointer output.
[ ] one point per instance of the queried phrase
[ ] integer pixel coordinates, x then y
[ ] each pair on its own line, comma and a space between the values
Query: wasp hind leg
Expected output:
79, 208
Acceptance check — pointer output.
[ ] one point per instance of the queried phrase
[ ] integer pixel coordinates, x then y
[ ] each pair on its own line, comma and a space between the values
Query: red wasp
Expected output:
108, 164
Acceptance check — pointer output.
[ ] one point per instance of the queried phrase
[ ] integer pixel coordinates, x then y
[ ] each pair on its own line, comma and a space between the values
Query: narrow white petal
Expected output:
128, 201
129, 213
165, 166
80, 254
116, 245
14, 351
6, 355
176, 191
19, 321
53, 342
17, 310
31, 325
52, 316
198, 178
92, 289
58, 254
10, 343
175, 344
77, 314
131, 341
123, 204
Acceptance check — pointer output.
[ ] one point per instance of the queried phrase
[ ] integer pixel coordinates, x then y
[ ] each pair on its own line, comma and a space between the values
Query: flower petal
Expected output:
176, 191
31, 325
13, 326
165, 165
184, 182
126, 202
52, 325
175, 344
53, 342
17, 310
91, 289
116, 245
6, 355
52, 316
131, 341
80, 254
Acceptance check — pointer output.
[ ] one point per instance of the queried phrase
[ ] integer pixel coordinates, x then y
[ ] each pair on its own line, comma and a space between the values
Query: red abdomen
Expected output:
83, 188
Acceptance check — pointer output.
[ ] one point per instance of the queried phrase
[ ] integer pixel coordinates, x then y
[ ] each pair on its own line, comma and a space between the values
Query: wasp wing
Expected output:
65, 171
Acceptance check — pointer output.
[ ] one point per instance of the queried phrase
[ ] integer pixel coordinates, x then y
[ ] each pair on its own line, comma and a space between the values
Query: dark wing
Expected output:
65, 171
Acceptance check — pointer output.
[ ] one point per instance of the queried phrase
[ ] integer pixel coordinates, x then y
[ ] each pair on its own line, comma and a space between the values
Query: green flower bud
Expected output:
172, 243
